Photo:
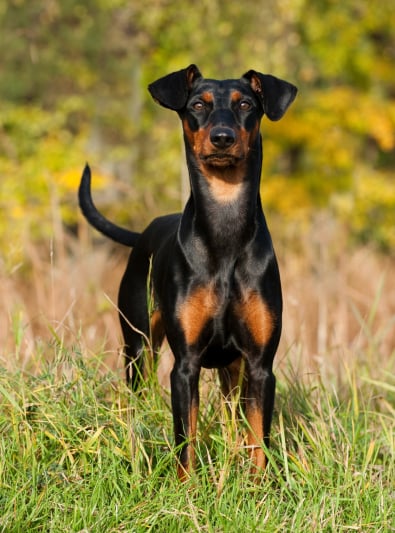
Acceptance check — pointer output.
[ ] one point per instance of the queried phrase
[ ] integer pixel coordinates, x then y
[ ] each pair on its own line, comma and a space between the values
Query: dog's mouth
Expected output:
221, 160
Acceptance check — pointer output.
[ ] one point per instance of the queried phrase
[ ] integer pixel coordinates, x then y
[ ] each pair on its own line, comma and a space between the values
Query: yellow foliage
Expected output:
360, 113
86, 79
382, 129
287, 197
35, 151
69, 179
369, 209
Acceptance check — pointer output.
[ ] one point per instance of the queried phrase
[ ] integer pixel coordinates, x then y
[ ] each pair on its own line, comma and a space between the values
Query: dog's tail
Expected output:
98, 221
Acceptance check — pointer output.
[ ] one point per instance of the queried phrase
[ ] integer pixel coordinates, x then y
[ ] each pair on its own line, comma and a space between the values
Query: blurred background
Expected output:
73, 80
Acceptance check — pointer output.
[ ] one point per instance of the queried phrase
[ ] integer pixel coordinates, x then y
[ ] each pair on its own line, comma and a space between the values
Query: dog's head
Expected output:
174, 90
221, 118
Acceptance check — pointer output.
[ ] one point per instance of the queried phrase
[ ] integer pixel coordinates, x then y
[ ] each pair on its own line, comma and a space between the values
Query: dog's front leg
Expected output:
259, 409
185, 405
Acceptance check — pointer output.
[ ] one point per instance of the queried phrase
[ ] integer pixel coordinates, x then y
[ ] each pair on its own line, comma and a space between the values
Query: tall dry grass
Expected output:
72, 433
339, 304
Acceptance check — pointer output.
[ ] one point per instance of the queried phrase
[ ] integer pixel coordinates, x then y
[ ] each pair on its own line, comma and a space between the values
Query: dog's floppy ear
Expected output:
276, 95
172, 90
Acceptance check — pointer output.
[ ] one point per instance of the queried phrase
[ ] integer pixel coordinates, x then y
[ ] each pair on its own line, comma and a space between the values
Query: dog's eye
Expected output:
198, 106
244, 105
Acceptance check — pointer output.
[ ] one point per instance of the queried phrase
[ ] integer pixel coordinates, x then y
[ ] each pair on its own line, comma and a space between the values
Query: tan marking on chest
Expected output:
225, 185
196, 310
257, 317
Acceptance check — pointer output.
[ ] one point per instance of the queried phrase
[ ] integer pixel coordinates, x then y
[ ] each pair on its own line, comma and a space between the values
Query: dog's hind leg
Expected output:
134, 315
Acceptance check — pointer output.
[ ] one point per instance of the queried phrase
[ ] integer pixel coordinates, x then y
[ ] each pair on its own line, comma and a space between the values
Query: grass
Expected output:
80, 453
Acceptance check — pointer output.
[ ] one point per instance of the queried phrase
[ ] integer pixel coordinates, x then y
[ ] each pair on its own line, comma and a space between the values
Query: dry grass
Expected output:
338, 304
79, 453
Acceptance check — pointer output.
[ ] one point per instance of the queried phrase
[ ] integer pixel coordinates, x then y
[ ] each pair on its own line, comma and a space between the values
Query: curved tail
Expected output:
96, 219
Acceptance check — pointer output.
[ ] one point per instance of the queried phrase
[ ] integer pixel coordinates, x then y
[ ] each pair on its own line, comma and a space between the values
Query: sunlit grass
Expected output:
79, 452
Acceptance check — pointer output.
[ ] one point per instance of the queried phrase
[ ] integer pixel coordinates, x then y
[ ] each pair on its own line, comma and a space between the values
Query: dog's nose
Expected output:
222, 137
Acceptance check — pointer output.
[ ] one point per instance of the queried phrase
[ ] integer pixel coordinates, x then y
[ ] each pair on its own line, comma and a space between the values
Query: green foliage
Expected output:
73, 88
38, 148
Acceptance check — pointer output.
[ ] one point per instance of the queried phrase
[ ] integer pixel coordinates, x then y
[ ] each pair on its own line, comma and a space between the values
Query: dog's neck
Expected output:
224, 206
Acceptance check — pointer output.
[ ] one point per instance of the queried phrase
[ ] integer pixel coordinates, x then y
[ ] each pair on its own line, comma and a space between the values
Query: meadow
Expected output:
79, 452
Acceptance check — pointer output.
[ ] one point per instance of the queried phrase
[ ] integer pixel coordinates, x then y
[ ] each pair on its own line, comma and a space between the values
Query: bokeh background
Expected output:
73, 79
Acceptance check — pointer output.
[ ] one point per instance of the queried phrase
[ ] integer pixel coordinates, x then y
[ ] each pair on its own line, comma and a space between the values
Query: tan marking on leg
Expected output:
255, 438
156, 329
184, 470
182, 473
258, 318
193, 416
196, 310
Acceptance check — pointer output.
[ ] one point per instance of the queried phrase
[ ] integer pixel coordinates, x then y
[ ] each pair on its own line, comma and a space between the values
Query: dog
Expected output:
212, 268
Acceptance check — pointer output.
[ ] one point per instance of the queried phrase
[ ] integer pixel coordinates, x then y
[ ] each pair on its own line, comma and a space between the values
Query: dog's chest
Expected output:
225, 309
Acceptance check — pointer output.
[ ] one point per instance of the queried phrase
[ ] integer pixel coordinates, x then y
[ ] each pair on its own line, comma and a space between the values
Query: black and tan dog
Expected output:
214, 273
